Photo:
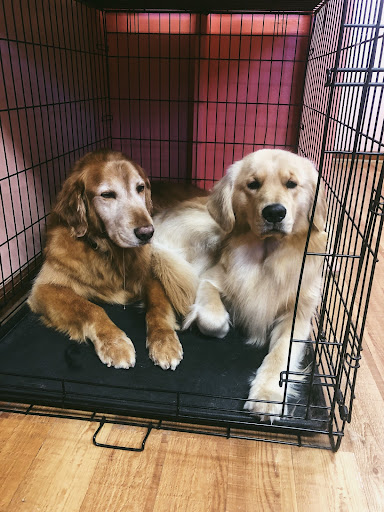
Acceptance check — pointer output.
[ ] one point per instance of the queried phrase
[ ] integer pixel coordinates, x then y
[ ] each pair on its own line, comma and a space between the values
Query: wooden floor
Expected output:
49, 464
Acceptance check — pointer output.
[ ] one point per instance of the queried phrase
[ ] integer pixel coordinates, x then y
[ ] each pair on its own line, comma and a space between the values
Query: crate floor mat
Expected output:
41, 366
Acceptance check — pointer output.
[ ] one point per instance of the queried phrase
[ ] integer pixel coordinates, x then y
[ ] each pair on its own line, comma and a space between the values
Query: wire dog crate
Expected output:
185, 94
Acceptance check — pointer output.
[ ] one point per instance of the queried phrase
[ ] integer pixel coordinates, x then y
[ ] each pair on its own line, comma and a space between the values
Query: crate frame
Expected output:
347, 153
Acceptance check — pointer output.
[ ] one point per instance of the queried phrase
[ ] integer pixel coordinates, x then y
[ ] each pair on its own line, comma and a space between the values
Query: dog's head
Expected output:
107, 195
270, 192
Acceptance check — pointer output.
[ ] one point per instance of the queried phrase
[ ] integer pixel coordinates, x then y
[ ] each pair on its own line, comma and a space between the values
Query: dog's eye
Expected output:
140, 188
254, 185
291, 184
108, 195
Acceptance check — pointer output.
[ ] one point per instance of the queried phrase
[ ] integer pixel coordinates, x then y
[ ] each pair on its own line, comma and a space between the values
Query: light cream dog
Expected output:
246, 243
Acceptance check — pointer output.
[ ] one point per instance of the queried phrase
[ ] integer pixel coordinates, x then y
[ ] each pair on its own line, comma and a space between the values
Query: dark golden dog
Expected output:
98, 248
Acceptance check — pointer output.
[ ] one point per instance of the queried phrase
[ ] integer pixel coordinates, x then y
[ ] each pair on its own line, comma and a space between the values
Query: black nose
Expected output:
274, 213
144, 233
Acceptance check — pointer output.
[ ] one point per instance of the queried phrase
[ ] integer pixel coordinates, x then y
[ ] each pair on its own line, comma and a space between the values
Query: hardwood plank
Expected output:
260, 477
61, 471
21, 439
364, 439
9, 422
123, 480
194, 475
325, 481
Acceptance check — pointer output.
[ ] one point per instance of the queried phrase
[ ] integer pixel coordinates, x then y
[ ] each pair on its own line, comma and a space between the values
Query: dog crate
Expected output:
185, 93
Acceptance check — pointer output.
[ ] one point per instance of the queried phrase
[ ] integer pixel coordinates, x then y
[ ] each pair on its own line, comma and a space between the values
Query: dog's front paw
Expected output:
165, 349
118, 351
211, 321
265, 399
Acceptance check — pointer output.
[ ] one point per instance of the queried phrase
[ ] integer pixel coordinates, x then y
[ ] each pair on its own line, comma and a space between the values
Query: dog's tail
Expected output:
177, 277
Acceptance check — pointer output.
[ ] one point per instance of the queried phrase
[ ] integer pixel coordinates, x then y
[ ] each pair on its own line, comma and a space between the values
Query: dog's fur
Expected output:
246, 243
97, 249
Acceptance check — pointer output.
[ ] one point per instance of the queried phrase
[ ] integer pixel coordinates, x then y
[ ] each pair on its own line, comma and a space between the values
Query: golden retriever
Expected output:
98, 249
246, 243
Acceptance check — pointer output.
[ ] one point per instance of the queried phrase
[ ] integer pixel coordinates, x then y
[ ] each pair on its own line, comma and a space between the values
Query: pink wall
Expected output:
53, 95
190, 93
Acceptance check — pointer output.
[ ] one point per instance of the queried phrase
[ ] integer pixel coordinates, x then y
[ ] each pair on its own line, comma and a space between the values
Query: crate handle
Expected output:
114, 447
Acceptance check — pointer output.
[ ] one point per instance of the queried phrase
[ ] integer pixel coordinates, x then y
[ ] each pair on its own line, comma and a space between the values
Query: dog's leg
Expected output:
74, 315
265, 385
163, 343
208, 310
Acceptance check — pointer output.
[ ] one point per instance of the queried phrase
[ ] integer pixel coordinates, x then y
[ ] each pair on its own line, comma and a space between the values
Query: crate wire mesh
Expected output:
185, 94
346, 150
51, 112
194, 87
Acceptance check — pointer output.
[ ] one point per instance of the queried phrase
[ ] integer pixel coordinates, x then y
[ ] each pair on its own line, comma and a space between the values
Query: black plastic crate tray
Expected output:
41, 366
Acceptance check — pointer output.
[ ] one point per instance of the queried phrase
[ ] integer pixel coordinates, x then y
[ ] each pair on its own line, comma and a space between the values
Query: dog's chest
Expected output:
103, 278
260, 279
257, 262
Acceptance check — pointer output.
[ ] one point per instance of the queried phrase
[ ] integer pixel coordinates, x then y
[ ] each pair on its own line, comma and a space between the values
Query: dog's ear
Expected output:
148, 198
220, 201
320, 216
71, 207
